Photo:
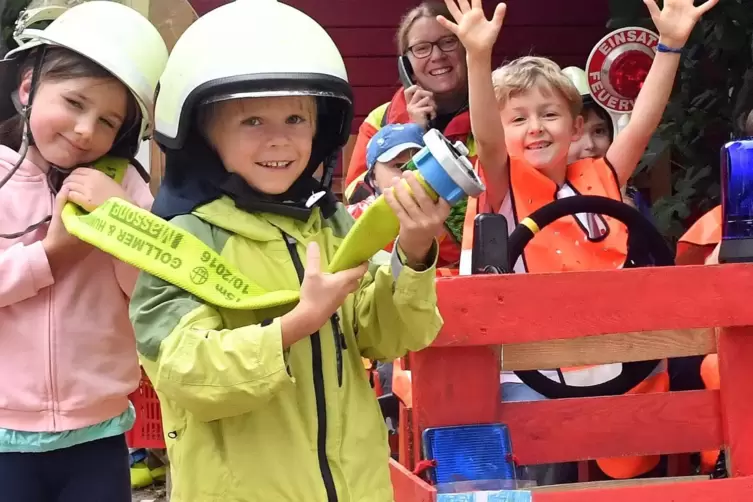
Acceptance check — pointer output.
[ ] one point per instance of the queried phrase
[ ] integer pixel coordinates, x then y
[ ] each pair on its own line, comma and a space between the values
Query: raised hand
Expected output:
475, 32
677, 19
321, 295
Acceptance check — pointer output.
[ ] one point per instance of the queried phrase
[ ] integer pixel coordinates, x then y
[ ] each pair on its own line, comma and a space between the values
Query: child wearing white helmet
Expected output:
599, 129
274, 403
76, 91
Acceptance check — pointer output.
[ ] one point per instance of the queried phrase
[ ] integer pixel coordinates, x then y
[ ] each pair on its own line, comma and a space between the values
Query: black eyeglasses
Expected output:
423, 50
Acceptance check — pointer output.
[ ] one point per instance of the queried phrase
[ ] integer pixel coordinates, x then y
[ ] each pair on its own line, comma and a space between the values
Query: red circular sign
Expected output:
618, 65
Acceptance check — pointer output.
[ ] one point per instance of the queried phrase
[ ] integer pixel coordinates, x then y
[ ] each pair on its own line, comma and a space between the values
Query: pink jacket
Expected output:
68, 350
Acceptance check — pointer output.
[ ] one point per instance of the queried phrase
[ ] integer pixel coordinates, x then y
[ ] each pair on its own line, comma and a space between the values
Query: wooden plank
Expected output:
409, 488
171, 19
615, 483
564, 430
380, 41
726, 490
736, 377
381, 71
368, 98
617, 348
457, 386
502, 309
388, 13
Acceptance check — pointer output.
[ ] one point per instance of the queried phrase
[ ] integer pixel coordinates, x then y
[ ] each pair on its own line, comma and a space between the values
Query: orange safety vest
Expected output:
701, 238
693, 248
569, 245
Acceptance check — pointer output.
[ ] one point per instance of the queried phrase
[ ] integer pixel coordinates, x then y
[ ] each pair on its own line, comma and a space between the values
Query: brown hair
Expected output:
425, 9
62, 64
749, 124
527, 72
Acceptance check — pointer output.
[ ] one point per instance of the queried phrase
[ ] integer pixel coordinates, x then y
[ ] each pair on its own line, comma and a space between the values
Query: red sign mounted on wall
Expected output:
618, 65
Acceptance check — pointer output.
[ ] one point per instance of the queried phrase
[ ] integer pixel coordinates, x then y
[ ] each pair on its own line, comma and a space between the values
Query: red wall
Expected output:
364, 31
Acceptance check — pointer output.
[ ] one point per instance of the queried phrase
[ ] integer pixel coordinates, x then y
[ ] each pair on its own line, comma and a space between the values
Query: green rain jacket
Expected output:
245, 420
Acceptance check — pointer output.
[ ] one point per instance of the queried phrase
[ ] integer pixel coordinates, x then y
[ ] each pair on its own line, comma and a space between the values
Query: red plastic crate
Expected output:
147, 430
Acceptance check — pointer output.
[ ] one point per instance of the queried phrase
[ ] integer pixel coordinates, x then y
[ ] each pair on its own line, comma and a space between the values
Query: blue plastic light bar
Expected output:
469, 453
499, 496
737, 189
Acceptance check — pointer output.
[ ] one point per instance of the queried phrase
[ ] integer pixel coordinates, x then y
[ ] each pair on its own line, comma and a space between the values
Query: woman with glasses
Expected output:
434, 94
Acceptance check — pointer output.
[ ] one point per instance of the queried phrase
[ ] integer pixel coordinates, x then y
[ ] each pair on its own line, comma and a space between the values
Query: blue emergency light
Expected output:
469, 453
737, 202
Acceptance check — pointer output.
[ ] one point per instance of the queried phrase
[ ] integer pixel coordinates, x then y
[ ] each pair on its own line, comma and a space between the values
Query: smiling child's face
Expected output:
266, 141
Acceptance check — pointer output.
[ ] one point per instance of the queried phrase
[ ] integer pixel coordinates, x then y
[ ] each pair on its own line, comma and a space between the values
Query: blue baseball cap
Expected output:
391, 140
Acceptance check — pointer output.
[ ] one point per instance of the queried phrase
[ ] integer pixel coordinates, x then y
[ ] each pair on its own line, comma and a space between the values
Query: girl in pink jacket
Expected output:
78, 90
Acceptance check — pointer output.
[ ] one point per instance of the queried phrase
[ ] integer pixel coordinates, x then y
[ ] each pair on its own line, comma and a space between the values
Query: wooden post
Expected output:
736, 377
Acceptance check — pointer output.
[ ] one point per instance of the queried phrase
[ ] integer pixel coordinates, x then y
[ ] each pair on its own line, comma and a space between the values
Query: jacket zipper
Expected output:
321, 404
339, 346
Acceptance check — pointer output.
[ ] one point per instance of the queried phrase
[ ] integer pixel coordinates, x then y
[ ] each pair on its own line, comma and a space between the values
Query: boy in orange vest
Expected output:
524, 117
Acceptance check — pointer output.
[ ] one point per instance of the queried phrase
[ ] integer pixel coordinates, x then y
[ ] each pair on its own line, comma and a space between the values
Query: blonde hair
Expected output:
525, 73
425, 9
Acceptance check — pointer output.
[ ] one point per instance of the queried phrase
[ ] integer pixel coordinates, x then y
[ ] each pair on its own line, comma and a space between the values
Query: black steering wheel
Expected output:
646, 247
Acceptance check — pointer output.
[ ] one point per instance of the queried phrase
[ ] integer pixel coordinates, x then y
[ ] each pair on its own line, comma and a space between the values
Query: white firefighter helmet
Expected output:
579, 78
253, 48
116, 37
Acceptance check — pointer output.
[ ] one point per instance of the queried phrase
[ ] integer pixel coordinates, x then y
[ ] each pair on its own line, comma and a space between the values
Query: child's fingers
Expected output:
61, 199
653, 9
406, 199
354, 274
78, 198
443, 207
464, 6
448, 25
454, 10
313, 259
706, 6
419, 192
397, 208
499, 14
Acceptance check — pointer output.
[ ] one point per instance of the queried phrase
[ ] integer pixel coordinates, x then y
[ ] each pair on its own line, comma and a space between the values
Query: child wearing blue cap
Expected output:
387, 151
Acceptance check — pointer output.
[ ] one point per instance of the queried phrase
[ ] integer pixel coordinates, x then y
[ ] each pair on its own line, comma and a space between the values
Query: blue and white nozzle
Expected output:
446, 168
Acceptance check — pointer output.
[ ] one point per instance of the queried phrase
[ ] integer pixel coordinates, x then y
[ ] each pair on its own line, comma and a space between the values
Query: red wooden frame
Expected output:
456, 380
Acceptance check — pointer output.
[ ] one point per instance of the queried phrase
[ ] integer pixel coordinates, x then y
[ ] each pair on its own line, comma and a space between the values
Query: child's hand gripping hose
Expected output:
441, 168
139, 238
